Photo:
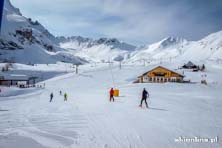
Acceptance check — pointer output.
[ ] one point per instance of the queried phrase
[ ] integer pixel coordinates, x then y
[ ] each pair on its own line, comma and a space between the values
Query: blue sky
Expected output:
135, 21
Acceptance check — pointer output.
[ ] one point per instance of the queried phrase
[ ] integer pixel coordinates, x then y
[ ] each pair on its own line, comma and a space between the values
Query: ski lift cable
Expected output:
110, 67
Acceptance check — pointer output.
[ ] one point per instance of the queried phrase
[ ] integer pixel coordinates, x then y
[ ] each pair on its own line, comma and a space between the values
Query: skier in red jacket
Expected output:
111, 92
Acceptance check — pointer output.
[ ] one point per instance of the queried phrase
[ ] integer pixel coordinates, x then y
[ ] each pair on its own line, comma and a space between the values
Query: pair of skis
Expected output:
147, 107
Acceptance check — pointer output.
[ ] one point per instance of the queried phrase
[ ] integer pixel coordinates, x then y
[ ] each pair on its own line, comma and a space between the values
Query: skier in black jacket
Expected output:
51, 97
145, 94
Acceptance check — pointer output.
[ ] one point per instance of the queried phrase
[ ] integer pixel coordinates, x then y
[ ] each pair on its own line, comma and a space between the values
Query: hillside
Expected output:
208, 48
171, 48
26, 41
103, 49
167, 48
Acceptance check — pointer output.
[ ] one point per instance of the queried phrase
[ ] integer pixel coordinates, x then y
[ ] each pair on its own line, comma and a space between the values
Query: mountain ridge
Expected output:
22, 37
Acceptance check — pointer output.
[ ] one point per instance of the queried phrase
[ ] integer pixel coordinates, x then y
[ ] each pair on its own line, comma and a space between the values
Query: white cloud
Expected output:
138, 20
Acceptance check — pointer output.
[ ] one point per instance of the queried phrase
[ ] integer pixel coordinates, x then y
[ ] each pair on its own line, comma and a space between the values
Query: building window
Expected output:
161, 79
173, 79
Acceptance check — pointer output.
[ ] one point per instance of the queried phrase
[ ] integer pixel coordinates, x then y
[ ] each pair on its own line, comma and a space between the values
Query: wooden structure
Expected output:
17, 80
160, 75
190, 65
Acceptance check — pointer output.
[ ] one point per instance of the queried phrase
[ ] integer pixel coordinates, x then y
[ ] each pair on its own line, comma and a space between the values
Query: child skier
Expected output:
145, 94
111, 92
51, 97
65, 97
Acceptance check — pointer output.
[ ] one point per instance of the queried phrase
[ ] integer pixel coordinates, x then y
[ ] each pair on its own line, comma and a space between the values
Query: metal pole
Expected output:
77, 66
1, 14
120, 65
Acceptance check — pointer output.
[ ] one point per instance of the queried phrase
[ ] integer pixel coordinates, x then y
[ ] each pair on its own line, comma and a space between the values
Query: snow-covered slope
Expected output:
25, 41
89, 120
103, 49
165, 49
208, 48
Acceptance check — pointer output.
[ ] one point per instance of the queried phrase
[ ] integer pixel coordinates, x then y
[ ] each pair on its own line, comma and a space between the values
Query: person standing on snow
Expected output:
145, 94
60, 92
51, 97
111, 92
65, 97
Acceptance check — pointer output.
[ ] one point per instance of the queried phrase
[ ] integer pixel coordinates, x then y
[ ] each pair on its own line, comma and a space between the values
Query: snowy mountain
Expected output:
103, 49
23, 40
167, 48
170, 48
208, 48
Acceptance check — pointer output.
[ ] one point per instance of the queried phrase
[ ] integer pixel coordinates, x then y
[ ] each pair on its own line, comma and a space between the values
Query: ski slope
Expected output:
89, 120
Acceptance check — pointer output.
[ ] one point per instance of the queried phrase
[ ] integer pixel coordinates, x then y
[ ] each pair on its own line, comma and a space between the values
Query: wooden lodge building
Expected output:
160, 75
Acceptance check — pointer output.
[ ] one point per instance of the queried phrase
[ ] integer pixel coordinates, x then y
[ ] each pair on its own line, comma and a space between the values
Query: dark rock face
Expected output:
9, 45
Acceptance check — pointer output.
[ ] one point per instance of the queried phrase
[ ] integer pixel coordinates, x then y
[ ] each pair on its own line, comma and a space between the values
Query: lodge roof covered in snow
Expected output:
163, 68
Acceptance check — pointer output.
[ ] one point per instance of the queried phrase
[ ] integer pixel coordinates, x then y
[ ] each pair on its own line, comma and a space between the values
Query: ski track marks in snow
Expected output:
89, 120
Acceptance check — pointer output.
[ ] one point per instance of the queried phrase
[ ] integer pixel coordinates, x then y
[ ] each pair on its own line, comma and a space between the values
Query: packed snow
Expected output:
88, 119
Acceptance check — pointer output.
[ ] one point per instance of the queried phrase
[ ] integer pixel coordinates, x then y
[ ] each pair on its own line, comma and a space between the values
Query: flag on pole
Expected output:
1, 13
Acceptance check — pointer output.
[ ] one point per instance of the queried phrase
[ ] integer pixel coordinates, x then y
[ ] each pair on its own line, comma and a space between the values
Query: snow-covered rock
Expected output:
103, 49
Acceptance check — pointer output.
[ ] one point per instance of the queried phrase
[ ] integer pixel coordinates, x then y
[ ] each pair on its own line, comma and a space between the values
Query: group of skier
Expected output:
60, 92
145, 95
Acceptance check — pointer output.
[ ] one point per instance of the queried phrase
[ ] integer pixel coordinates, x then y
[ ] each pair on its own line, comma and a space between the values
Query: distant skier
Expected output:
51, 97
111, 92
60, 92
145, 94
65, 97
